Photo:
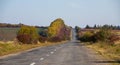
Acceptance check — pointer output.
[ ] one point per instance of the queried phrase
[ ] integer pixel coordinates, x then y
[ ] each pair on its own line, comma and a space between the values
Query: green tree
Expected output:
77, 29
87, 27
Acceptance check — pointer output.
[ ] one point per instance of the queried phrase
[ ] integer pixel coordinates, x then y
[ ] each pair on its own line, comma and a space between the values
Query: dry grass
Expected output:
111, 52
116, 32
10, 47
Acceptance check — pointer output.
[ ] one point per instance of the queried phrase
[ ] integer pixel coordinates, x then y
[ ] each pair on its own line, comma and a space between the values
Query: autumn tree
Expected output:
58, 30
55, 27
27, 34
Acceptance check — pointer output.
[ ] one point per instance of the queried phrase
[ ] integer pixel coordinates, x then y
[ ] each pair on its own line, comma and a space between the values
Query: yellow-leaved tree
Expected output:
55, 27
27, 34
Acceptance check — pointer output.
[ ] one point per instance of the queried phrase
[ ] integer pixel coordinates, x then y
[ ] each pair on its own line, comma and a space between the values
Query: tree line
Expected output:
56, 32
103, 26
8, 25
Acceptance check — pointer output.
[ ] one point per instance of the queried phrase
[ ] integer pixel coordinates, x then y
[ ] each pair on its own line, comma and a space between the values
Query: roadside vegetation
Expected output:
27, 37
105, 40
13, 47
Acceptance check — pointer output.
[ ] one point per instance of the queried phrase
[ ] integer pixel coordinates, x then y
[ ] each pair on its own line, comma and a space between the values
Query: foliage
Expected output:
29, 31
87, 27
29, 34
103, 35
114, 38
87, 36
58, 30
64, 33
77, 29
24, 38
67, 33
55, 27
43, 33
43, 39
104, 26
7, 25
55, 39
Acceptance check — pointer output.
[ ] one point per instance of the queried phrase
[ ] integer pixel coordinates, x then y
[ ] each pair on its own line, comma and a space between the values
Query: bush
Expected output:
43, 33
24, 38
87, 36
55, 39
27, 33
103, 35
42, 39
114, 38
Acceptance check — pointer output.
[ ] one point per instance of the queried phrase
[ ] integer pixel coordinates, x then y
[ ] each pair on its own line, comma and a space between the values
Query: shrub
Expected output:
87, 36
103, 35
24, 38
27, 32
114, 38
55, 39
43, 33
42, 39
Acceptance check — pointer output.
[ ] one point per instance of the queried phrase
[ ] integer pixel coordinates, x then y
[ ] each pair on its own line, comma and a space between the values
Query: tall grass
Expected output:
8, 48
107, 50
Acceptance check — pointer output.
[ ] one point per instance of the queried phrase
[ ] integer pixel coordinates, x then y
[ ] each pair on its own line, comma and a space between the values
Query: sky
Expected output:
73, 12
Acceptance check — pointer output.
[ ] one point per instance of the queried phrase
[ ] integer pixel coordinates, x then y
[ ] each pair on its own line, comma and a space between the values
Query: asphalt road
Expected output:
69, 53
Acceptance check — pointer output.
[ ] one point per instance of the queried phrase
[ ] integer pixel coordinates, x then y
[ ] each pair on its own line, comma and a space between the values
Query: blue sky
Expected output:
73, 12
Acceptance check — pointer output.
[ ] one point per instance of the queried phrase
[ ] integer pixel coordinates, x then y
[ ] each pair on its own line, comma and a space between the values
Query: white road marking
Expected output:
51, 52
41, 58
47, 55
33, 63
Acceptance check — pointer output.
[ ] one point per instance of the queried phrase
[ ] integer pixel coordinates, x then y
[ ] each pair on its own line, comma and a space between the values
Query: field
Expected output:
8, 34
117, 32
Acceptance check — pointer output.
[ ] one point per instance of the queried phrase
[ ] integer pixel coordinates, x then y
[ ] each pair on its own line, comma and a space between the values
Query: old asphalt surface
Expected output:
69, 53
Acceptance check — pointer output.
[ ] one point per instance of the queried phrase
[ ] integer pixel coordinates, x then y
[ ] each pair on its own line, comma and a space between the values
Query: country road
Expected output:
69, 53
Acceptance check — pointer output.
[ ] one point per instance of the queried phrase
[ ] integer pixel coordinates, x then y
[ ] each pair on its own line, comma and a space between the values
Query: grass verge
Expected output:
110, 52
9, 48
